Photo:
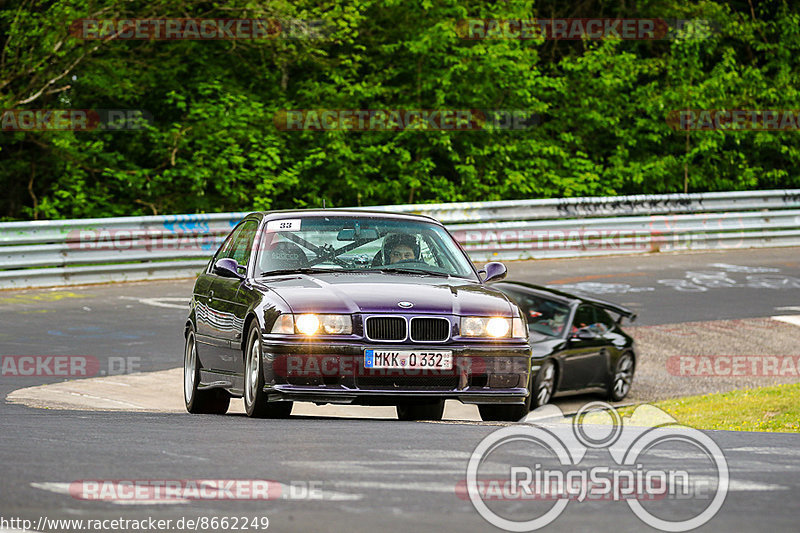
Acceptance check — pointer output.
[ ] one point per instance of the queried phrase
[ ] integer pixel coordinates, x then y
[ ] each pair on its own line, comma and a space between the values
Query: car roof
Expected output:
568, 298
344, 211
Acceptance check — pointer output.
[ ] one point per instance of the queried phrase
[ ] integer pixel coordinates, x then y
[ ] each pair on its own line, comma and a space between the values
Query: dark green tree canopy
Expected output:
212, 144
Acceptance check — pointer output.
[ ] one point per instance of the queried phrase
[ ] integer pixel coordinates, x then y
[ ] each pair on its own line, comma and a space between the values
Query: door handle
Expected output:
210, 295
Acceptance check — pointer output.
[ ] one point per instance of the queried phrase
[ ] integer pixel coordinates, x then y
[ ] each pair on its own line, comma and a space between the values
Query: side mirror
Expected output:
495, 271
227, 268
584, 334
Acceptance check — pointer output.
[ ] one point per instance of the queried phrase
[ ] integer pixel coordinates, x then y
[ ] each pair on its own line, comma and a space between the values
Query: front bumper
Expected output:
335, 373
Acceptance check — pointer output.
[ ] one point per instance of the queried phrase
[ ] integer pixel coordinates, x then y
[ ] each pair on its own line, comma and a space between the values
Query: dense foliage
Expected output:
212, 144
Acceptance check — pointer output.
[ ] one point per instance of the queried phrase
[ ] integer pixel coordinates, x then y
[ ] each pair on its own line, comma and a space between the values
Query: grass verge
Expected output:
774, 408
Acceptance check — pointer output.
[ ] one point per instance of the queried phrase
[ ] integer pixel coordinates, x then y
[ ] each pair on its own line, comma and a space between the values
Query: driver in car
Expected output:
400, 247
557, 323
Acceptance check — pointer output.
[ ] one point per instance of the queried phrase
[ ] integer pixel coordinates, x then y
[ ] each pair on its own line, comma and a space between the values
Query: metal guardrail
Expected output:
69, 252
604, 206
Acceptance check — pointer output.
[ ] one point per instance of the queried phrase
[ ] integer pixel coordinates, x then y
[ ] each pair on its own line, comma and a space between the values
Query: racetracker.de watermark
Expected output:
422, 364
522, 477
166, 490
197, 29
576, 29
734, 119
66, 366
141, 239
772, 366
74, 119
577, 239
405, 119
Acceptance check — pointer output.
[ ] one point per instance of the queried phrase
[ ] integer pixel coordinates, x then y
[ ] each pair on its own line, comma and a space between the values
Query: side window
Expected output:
584, 317
604, 320
243, 243
226, 250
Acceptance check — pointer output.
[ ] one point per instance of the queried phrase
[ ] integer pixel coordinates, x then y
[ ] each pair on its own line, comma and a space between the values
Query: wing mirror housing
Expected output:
584, 334
227, 268
495, 271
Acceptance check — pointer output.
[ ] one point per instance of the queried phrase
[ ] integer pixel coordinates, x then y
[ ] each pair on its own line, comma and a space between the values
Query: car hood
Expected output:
544, 346
349, 293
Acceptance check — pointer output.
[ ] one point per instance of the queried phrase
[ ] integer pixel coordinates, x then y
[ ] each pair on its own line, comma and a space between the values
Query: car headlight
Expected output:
307, 324
492, 327
311, 324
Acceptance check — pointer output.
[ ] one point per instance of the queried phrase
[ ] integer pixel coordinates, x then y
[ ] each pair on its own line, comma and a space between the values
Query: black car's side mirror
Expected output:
227, 268
495, 271
584, 334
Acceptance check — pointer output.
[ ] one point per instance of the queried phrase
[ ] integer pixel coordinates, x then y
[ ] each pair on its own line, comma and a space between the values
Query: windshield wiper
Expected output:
400, 270
306, 270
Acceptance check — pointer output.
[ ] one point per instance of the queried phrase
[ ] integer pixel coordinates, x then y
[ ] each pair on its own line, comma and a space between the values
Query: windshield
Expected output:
365, 243
545, 316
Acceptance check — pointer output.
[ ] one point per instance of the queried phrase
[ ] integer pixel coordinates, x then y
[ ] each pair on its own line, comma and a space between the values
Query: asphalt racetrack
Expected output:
363, 473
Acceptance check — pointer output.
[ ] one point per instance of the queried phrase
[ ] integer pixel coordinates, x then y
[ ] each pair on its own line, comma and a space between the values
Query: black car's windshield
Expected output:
546, 317
362, 243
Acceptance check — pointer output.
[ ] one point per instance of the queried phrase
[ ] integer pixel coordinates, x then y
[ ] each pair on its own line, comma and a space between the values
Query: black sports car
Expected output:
354, 307
577, 346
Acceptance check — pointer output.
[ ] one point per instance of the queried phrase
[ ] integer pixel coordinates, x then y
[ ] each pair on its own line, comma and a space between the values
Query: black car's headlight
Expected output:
312, 324
492, 327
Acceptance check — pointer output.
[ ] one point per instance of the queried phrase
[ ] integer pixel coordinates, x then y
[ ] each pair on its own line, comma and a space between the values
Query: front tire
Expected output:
544, 384
211, 401
255, 400
421, 411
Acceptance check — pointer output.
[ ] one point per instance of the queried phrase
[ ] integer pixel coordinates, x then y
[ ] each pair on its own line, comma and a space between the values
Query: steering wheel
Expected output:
408, 261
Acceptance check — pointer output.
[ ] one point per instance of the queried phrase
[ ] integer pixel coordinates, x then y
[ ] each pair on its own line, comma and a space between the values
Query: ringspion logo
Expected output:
522, 477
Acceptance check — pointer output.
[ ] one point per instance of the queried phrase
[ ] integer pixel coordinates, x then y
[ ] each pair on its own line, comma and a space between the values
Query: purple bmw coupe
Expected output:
352, 307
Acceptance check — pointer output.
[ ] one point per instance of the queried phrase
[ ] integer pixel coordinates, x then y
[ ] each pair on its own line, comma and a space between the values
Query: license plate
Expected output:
437, 360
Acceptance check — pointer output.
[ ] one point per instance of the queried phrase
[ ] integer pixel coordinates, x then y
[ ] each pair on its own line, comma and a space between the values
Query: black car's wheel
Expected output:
622, 378
507, 413
544, 385
255, 400
212, 401
421, 411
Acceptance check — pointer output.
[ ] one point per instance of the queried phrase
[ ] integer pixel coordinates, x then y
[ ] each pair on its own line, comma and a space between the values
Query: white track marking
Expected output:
788, 308
789, 319
161, 302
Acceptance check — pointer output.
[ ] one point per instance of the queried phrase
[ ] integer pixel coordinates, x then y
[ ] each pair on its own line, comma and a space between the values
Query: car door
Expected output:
209, 338
612, 346
583, 359
228, 301
218, 318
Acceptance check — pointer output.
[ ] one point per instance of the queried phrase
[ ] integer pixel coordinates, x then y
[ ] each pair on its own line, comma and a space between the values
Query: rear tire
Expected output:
421, 411
621, 380
255, 400
209, 401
